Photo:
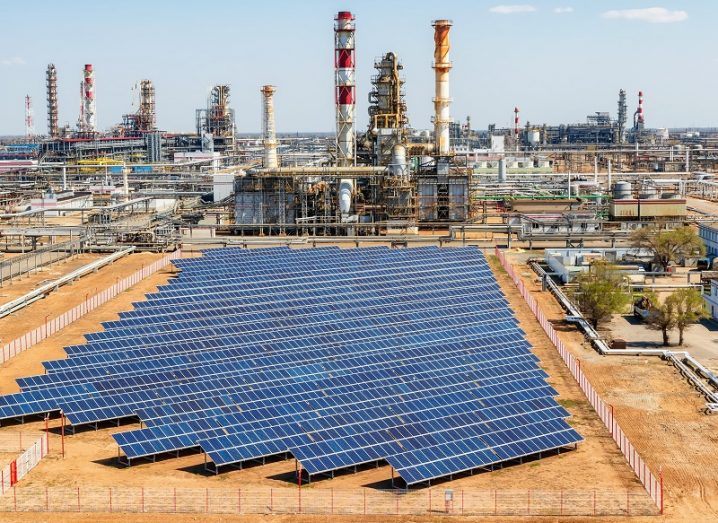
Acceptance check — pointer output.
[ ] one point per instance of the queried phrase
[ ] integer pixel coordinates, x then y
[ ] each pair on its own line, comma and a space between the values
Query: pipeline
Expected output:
687, 365
44, 290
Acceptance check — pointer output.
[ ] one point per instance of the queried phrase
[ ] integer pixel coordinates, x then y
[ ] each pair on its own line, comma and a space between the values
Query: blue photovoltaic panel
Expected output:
340, 357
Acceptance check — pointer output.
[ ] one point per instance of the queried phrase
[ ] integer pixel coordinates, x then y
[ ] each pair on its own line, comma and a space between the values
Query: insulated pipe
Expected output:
442, 102
269, 134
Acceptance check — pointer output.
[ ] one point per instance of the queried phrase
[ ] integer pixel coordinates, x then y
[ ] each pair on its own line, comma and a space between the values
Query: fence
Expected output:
329, 501
31, 261
37, 448
35, 336
653, 485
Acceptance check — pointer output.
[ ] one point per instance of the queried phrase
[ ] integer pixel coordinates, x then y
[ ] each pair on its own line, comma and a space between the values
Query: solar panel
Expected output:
340, 357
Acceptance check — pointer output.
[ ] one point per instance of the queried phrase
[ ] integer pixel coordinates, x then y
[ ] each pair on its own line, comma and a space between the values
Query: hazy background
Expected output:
558, 61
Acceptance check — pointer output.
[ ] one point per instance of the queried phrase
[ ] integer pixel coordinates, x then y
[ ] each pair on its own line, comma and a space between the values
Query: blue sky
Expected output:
556, 66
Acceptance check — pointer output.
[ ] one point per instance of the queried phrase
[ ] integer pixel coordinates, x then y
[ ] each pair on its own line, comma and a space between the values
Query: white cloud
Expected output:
15, 60
563, 10
512, 9
653, 15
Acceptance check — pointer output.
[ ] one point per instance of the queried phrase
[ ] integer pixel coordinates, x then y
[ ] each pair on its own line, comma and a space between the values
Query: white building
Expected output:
709, 234
712, 300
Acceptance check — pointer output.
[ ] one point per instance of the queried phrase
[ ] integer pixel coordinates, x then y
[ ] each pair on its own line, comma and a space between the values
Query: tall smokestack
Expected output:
29, 123
638, 118
52, 111
344, 61
269, 133
516, 127
641, 120
88, 100
442, 102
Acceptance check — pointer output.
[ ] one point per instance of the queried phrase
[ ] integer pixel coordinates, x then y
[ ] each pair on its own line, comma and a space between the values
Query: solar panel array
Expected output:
340, 357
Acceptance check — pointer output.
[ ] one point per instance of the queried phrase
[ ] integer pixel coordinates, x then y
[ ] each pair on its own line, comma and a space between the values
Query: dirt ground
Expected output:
90, 456
25, 283
659, 412
63, 299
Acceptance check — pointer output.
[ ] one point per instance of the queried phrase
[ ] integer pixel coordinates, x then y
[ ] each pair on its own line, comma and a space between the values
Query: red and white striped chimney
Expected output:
88, 101
345, 86
516, 125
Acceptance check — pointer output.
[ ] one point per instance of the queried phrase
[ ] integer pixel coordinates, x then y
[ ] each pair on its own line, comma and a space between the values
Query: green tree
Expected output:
669, 245
600, 293
688, 307
662, 316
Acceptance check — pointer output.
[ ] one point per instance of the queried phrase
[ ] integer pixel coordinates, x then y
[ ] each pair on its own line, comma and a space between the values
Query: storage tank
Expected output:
648, 192
534, 137
622, 191
398, 165
502, 170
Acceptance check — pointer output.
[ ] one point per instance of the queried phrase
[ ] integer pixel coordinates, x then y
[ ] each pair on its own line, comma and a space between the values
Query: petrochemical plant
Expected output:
387, 179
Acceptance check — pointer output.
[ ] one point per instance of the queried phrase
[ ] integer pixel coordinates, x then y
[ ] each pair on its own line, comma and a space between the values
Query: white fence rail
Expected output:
47, 329
653, 484
18, 468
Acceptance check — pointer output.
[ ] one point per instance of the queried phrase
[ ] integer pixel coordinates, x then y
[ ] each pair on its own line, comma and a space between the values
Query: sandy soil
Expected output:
659, 412
63, 299
24, 284
90, 458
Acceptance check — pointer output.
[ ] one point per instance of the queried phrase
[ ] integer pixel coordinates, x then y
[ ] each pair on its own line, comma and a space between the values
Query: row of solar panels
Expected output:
338, 356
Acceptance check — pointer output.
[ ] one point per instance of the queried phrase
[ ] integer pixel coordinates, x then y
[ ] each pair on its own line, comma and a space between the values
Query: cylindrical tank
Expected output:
670, 196
398, 161
534, 137
622, 191
648, 192
502, 170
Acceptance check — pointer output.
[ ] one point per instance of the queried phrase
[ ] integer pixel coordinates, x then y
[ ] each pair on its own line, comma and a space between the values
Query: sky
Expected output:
558, 61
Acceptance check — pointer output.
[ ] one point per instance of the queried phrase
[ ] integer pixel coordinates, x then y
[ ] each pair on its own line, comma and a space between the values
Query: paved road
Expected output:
701, 340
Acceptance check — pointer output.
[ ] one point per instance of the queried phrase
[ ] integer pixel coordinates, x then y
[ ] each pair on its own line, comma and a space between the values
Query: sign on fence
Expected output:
653, 485
18, 468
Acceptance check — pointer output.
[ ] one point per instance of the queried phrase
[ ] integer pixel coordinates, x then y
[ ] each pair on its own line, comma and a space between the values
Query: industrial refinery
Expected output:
390, 178
391, 318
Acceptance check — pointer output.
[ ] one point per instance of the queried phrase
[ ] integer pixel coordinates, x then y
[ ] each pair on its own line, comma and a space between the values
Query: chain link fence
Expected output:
330, 501
652, 483
50, 327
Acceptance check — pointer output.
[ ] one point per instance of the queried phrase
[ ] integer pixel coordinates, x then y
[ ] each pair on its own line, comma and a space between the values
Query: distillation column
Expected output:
147, 115
52, 111
345, 99
269, 134
442, 102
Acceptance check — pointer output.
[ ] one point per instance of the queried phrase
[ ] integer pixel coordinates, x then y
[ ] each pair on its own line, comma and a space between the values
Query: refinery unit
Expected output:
386, 179
395, 317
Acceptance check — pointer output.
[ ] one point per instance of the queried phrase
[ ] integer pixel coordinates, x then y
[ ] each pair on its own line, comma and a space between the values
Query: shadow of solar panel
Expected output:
340, 357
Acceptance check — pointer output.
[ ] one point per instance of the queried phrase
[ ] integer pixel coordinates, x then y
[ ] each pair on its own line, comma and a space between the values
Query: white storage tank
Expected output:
622, 191
534, 137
